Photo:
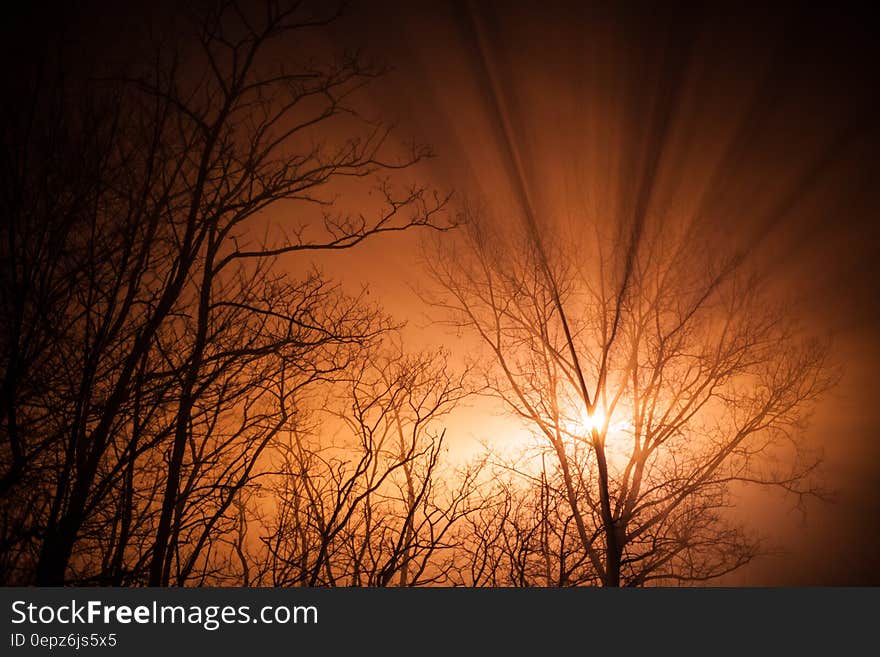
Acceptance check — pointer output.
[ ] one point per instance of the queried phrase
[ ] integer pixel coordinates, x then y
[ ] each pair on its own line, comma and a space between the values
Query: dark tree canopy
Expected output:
186, 398
657, 374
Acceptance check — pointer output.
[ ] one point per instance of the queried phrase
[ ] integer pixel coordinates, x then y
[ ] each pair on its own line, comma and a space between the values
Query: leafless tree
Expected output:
523, 532
375, 506
658, 375
141, 313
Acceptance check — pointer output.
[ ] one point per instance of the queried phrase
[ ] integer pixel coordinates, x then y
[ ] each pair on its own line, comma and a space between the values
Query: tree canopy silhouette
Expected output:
151, 353
658, 375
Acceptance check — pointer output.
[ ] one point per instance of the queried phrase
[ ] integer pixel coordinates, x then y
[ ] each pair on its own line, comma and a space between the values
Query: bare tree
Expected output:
658, 376
375, 506
143, 314
523, 532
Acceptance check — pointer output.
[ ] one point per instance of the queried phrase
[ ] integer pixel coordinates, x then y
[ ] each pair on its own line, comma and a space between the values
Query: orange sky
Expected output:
771, 137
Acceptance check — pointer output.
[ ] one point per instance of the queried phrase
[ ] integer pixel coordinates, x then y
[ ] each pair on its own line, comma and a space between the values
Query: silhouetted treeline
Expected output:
153, 350
187, 400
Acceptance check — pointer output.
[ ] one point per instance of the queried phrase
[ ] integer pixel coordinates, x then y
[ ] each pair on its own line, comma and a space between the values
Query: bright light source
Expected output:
588, 422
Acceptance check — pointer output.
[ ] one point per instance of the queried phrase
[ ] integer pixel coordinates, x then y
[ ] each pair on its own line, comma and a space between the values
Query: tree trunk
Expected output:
613, 547
55, 553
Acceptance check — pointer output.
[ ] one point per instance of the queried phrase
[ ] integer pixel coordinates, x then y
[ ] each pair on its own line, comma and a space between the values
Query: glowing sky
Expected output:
764, 123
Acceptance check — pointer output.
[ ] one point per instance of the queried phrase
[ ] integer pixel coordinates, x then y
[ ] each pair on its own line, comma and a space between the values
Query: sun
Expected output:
586, 423
590, 421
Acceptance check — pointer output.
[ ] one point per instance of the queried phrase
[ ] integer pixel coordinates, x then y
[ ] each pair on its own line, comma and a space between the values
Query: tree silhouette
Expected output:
368, 508
186, 400
151, 352
657, 374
